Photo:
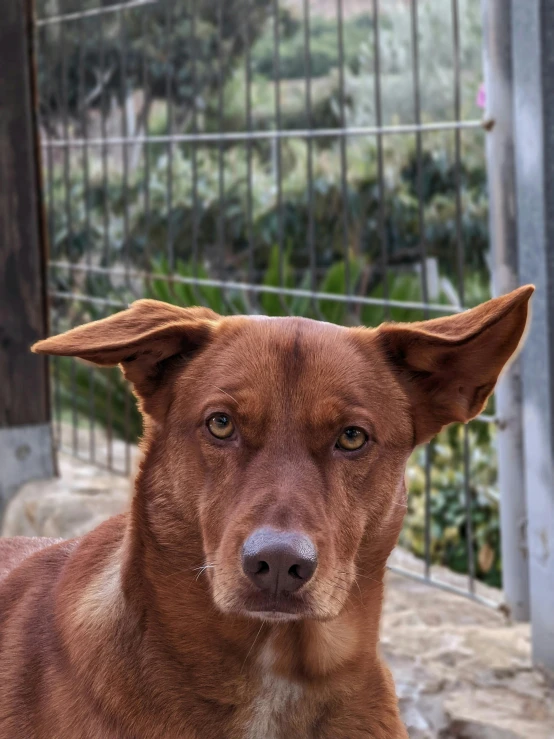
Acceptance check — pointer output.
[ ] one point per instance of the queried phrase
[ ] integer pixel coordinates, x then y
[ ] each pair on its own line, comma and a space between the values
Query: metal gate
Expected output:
313, 158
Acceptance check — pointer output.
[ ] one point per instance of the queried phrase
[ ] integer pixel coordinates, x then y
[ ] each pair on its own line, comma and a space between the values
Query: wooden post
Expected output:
26, 450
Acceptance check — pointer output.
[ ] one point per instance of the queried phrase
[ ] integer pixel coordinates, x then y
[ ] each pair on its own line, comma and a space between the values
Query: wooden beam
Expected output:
24, 387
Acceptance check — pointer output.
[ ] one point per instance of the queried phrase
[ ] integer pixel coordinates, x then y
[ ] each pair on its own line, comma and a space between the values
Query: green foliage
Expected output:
448, 508
144, 234
80, 390
436, 65
324, 46
156, 48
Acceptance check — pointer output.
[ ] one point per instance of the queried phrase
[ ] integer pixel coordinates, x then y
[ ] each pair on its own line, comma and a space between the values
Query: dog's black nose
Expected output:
279, 561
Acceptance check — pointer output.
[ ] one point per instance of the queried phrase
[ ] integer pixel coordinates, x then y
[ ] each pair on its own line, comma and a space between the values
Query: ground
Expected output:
462, 670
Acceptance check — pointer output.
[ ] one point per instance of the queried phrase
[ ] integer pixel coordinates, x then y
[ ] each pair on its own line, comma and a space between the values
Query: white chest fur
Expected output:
277, 700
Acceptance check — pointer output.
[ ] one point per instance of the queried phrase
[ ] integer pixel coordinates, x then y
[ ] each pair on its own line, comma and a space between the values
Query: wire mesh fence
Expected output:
319, 158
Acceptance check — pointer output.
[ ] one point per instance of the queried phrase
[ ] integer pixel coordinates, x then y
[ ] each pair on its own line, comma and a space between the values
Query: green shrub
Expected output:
324, 46
448, 509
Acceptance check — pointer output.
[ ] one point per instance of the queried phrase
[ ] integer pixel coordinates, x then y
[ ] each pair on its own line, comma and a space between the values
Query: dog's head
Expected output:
286, 439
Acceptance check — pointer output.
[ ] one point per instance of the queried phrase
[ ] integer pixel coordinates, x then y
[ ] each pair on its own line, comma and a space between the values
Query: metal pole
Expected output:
497, 26
533, 65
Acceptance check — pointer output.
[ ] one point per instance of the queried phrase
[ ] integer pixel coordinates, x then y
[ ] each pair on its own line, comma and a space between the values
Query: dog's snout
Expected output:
279, 561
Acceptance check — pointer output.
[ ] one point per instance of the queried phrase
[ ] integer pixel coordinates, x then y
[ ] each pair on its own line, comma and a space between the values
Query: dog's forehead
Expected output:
292, 338
289, 351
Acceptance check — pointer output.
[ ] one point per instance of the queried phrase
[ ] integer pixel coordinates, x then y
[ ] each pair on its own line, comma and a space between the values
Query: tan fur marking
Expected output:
276, 698
102, 602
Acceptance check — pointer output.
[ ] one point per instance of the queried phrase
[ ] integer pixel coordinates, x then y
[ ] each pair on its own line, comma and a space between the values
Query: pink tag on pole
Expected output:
481, 98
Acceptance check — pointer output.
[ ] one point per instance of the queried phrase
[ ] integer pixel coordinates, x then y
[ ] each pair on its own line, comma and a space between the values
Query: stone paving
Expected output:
462, 671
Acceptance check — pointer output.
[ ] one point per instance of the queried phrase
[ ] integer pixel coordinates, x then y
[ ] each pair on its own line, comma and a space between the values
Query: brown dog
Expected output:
241, 595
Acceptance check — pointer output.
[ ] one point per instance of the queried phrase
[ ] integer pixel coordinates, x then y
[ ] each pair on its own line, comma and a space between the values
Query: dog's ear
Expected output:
449, 366
146, 340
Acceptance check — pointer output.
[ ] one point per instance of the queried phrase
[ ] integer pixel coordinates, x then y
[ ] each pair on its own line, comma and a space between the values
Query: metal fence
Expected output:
258, 156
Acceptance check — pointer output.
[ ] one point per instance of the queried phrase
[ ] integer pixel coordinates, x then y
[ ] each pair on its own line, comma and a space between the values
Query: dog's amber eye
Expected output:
352, 439
220, 425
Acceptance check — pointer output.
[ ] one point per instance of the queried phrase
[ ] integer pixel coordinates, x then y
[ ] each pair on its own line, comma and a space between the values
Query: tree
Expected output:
177, 51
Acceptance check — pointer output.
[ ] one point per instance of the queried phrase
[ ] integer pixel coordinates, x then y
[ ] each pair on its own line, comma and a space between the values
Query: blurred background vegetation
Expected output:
148, 216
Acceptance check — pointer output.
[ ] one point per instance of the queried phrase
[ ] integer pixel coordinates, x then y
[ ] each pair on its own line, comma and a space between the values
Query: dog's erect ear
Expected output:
142, 339
449, 366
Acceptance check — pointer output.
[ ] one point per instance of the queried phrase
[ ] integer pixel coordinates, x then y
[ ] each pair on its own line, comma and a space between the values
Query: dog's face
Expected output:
286, 439
290, 438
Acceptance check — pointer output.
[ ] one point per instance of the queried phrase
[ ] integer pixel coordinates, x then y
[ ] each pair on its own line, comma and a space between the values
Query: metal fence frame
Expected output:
531, 31
66, 144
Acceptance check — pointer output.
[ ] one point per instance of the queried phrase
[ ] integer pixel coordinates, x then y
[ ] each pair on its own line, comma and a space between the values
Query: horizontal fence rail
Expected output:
290, 158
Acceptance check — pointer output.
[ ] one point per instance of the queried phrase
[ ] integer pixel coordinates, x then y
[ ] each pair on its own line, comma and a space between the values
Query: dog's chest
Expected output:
275, 705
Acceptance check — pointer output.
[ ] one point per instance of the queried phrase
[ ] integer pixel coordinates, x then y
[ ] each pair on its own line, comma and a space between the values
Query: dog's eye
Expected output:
220, 426
352, 439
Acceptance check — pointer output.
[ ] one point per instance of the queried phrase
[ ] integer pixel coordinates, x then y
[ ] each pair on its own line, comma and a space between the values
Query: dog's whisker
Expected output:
363, 573
225, 392
360, 590
367, 577
252, 645
331, 595
203, 567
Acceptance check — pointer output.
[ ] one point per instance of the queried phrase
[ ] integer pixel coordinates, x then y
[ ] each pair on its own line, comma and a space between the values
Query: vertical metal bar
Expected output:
66, 151
460, 269
86, 186
343, 157
50, 193
251, 297
427, 513
221, 150
533, 69
146, 150
310, 152
126, 427
419, 149
104, 135
124, 147
125, 193
422, 248
278, 151
469, 514
502, 172
380, 157
460, 261
194, 154
68, 216
104, 102
54, 361
92, 417
169, 103
85, 151
57, 386
109, 418
74, 419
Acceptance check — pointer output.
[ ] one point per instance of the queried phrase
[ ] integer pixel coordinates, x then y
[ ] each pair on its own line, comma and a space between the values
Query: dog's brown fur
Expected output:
119, 634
